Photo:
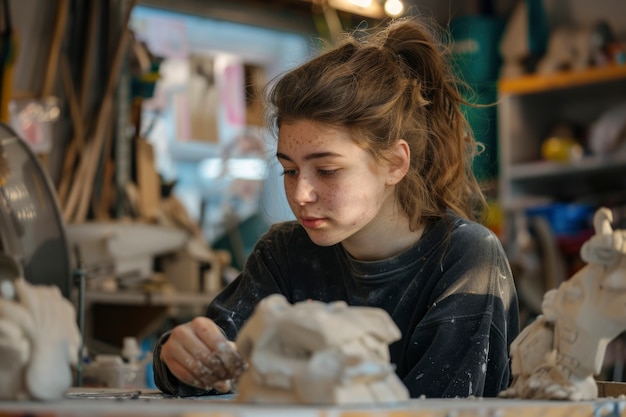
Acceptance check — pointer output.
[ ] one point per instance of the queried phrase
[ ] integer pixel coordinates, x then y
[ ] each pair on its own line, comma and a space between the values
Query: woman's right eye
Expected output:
290, 172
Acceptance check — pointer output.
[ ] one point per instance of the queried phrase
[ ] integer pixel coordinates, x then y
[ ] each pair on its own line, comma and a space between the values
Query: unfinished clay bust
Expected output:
39, 341
317, 353
557, 356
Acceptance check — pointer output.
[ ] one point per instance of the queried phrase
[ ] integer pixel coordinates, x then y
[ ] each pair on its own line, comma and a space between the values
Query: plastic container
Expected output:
110, 371
565, 219
476, 47
113, 371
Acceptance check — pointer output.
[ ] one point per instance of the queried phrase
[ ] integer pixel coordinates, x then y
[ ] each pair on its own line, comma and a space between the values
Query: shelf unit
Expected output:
528, 108
531, 84
142, 312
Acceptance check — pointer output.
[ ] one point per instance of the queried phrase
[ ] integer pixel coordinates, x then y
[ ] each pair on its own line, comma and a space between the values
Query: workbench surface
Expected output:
111, 403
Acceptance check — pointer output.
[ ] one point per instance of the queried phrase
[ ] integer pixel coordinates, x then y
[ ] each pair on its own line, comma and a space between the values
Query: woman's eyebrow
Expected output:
314, 155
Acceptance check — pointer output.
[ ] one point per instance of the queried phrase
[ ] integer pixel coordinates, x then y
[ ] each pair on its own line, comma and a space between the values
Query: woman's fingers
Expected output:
231, 360
183, 353
198, 354
223, 359
194, 375
223, 386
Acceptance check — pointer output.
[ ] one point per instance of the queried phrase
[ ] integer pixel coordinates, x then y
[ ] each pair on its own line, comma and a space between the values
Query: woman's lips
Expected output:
311, 222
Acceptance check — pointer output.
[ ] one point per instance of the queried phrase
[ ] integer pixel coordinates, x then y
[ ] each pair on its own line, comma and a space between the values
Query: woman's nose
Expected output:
303, 191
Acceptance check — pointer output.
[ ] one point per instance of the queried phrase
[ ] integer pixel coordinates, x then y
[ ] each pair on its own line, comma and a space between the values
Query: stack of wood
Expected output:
91, 143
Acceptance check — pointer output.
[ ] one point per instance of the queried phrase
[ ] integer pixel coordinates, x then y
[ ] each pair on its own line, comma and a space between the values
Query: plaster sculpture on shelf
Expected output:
557, 356
39, 341
576, 48
524, 39
317, 353
607, 134
514, 47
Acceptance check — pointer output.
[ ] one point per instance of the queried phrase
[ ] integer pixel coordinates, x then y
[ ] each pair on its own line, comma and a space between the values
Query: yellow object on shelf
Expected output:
561, 149
495, 217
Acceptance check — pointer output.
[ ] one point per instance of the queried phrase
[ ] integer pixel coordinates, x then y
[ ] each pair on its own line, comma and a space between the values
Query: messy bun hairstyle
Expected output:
388, 84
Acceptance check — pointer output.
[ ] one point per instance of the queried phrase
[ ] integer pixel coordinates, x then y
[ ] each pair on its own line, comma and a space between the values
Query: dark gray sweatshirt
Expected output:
451, 295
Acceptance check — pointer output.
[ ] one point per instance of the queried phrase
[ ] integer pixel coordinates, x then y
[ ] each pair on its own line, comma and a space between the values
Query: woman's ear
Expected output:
399, 161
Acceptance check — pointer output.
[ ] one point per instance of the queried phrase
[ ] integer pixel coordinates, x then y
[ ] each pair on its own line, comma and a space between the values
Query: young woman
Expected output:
377, 171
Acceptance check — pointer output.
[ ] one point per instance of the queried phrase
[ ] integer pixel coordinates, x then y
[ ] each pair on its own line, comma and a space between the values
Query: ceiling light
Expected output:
394, 8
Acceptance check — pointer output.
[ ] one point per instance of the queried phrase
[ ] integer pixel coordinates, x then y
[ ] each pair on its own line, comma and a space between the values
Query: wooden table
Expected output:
112, 403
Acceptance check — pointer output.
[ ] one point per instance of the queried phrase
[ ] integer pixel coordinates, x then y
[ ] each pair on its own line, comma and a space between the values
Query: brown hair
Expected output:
389, 84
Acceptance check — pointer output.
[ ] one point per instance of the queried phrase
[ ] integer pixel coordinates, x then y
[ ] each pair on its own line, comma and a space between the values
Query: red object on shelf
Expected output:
570, 245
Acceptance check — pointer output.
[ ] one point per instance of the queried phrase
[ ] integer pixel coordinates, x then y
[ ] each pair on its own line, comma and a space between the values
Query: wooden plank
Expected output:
148, 180
78, 179
75, 148
80, 194
77, 142
55, 48
105, 200
536, 83
88, 58
608, 389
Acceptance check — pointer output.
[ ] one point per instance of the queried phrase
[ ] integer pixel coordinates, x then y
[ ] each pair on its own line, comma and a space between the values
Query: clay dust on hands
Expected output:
198, 354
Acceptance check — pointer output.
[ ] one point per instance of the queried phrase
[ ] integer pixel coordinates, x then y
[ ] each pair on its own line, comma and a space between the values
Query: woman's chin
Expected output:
322, 239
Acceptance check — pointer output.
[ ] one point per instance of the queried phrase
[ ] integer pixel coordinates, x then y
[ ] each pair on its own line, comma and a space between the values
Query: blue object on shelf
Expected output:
565, 219
150, 384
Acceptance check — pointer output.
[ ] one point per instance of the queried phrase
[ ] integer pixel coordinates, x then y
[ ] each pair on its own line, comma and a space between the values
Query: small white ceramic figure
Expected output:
317, 353
39, 342
557, 356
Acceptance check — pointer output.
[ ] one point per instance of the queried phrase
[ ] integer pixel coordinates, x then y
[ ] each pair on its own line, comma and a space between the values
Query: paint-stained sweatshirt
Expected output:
451, 295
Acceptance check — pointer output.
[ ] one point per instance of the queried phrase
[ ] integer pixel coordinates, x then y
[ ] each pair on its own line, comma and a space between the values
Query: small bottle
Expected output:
133, 375
130, 350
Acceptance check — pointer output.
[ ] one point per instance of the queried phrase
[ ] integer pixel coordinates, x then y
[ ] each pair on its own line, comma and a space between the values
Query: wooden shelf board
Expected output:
539, 83
148, 298
541, 169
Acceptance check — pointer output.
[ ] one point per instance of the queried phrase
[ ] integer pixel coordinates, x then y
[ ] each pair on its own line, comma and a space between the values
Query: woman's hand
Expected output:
198, 354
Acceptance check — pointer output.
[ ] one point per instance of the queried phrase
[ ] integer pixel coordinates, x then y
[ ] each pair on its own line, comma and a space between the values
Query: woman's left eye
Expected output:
327, 172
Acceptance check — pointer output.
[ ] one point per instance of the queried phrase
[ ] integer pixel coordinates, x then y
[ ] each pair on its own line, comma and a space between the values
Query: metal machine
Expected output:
32, 230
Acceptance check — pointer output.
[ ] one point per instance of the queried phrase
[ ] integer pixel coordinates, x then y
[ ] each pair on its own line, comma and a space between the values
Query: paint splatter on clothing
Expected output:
452, 296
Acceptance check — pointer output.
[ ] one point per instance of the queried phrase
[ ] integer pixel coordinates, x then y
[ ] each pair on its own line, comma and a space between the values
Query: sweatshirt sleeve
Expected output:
460, 347
231, 308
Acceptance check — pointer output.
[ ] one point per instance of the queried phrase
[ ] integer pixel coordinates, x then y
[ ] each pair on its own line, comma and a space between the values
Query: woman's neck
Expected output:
382, 239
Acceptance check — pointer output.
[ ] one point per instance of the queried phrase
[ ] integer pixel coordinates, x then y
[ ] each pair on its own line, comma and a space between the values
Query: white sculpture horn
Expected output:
602, 221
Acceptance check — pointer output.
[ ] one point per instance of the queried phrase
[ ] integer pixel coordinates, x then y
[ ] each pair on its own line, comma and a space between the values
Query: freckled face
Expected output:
335, 188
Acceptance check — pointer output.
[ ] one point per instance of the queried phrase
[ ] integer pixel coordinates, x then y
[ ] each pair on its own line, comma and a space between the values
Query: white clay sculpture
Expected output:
557, 356
39, 342
317, 353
